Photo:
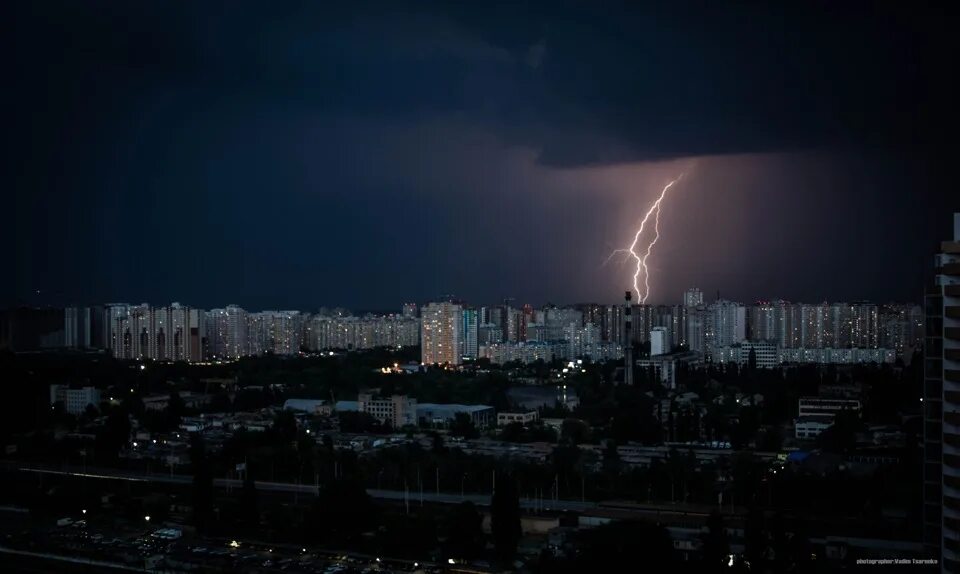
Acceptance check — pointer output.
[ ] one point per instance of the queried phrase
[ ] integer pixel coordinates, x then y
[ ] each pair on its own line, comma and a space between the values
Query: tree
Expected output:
770, 440
462, 425
574, 431
357, 422
616, 547
505, 518
342, 511
841, 436
716, 547
284, 428
173, 413
249, 505
407, 536
175, 405
114, 435
755, 537
220, 403
90, 413
611, 458
437, 443
202, 484
464, 532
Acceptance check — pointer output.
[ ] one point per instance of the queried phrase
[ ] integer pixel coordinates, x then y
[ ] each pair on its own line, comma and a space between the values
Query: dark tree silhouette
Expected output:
342, 512
249, 503
505, 518
716, 547
622, 547
114, 435
202, 484
462, 425
464, 531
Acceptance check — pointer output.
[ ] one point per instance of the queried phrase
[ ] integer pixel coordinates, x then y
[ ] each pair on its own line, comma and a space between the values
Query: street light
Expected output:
84, 511
147, 518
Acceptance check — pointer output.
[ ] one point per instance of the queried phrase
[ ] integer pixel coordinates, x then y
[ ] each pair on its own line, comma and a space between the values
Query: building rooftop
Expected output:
454, 408
307, 405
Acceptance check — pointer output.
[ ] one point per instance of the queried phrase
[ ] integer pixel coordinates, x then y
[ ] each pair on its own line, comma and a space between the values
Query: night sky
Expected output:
293, 155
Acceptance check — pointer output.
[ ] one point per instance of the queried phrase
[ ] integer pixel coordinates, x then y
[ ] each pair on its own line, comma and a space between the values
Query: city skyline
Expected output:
451, 332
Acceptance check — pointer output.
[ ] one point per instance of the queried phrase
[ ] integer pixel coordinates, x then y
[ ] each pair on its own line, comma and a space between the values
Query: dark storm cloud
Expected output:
295, 154
652, 81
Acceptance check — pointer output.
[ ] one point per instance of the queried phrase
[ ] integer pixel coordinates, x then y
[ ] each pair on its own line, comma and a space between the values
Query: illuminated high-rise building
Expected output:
611, 325
173, 333
726, 324
762, 322
441, 325
469, 334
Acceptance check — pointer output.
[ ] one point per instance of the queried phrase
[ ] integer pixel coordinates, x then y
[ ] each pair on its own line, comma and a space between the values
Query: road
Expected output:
308, 489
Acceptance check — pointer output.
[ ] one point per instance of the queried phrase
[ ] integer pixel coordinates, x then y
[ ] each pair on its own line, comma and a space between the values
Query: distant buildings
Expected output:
527, 417
78, 327
693, 298
367, 332
665, 366
433, 414
489, 334
31, 329
397, 411
409, 310
658, 341
721, 331
400, 410
830, 356
173, 333
941, 408
74, 400
441, 333
726, 324
529, 352
817, 414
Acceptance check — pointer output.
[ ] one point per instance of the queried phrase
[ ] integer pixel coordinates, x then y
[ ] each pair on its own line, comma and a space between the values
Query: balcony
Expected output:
952, 333
951, 439
951, 290
951, 354
950, 247
951, 269
951, 481
951, 523
952, 312
952, 417
951, 375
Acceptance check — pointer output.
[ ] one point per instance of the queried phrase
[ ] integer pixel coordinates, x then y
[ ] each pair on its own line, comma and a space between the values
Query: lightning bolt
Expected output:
632, 250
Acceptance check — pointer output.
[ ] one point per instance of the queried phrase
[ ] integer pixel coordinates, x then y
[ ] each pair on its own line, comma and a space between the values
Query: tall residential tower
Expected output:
441, 332
941, 408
